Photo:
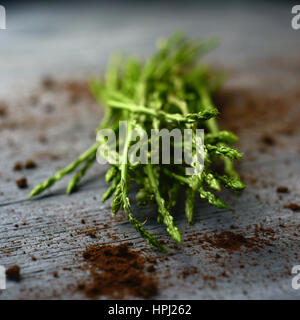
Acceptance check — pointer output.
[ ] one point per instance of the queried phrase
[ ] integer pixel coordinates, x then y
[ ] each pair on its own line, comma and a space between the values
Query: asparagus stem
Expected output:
224, 151
145, 234
190, 205
125, 198
77, 177
111, 189
166, 216
176, 117
61, 173
212, 199
214, 128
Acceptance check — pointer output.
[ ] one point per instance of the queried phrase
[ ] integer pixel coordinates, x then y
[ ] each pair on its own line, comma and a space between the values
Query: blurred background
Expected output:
76, 37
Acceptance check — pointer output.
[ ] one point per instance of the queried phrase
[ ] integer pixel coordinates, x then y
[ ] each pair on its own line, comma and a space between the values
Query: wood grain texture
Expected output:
50, 228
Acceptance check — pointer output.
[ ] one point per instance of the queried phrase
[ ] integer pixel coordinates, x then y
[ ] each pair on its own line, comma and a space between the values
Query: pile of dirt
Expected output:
117, 271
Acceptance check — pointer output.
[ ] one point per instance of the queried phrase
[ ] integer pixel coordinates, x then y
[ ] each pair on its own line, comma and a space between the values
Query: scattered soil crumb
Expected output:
268, 140
18, 166
92, 233
13, 273
151, 269
293, 206
30, 164
67, 268
55, 274
47, 155
189, 271
282, 189
48, 82
3, 110
230, 241
22, 183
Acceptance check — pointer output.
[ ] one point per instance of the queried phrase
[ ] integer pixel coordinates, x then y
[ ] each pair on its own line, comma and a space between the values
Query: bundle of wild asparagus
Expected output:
170, 90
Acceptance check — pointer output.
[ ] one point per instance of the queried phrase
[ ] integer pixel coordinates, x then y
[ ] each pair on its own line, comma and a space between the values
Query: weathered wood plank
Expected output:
49, 227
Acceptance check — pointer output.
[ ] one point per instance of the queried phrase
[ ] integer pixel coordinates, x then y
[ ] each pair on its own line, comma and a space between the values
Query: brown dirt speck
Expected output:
292, 206
13, 273
282, 189
30, 164
18, 166
22, 183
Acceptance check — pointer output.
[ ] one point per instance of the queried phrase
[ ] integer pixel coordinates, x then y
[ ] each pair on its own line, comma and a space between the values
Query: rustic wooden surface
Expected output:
255, 41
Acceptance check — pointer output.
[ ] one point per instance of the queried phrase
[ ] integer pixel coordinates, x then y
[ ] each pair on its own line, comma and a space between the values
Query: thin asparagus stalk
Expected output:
67, 170
214, 128
176, 117
167, 218
77, 177
125, 198
212, 199
109, 192
190, 205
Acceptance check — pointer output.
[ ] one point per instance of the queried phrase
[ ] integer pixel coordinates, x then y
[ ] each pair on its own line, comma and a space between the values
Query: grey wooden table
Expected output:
259, 49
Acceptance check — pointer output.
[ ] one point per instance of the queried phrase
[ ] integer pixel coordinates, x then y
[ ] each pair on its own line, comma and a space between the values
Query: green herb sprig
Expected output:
170, 90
